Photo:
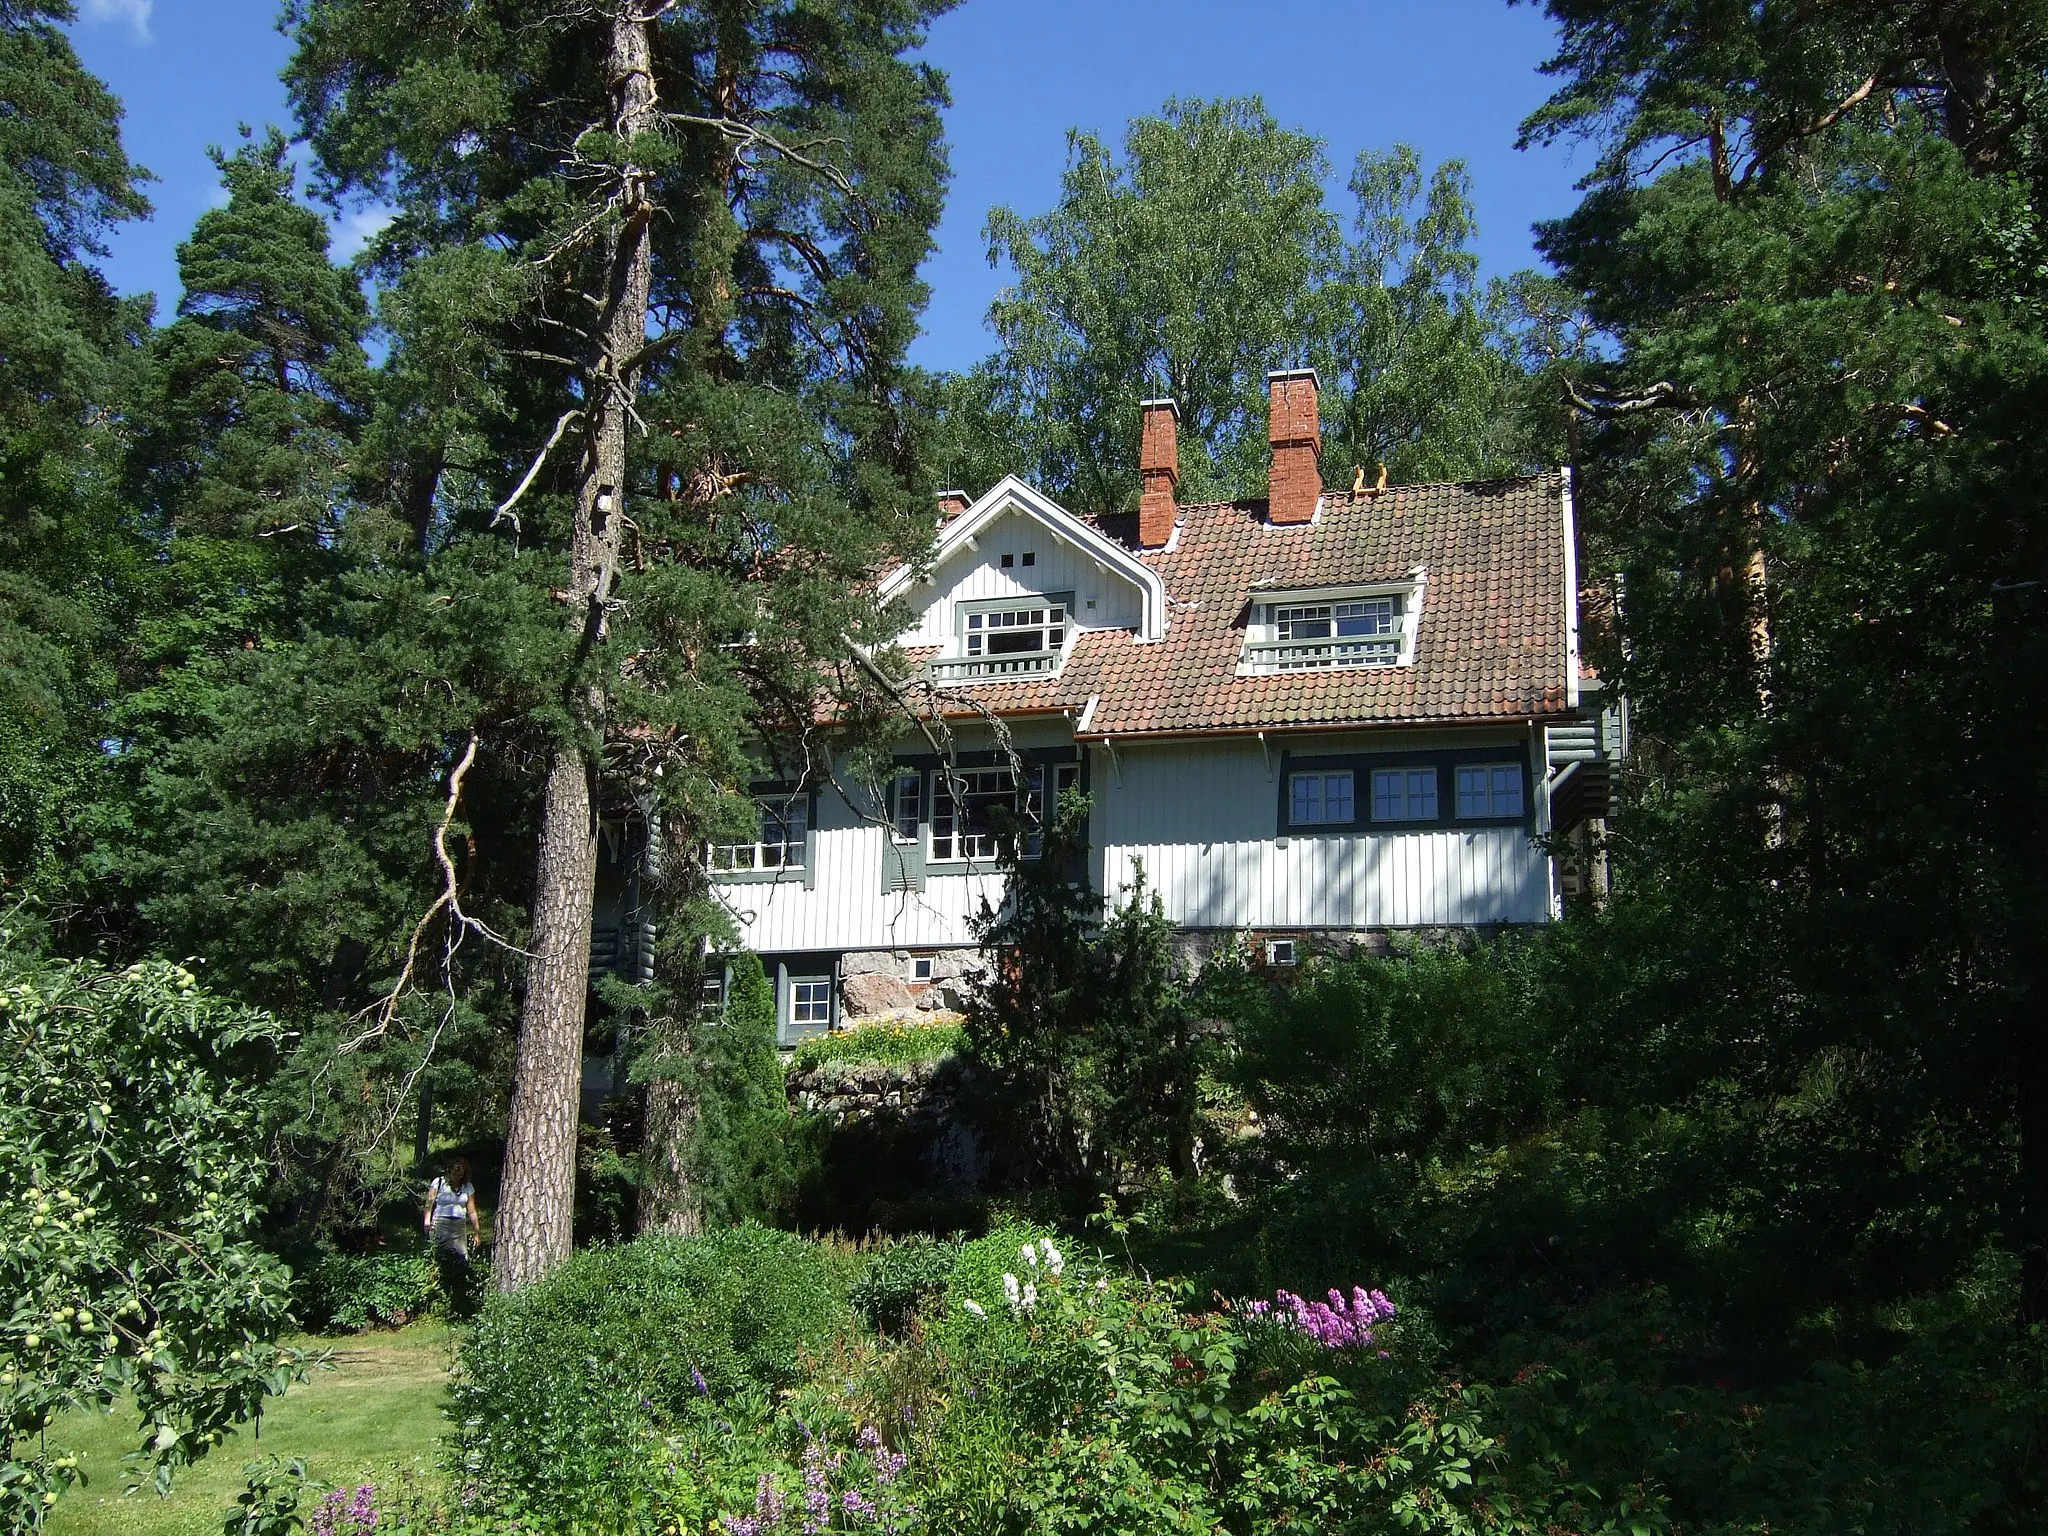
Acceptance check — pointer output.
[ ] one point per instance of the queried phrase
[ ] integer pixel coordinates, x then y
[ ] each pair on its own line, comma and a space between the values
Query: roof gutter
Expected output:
1352, 727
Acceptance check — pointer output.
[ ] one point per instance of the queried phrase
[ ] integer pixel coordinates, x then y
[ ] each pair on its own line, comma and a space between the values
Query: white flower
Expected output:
1055, 1261
1030, 1255
1030, 1297
1010, 1288
1102, 1284
975, 1307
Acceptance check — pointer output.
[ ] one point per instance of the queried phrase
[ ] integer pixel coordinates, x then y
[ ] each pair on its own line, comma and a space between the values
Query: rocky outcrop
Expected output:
871, 993
921, 1108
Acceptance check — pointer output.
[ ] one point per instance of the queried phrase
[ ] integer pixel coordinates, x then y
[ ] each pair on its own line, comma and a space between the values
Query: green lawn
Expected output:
375, 1417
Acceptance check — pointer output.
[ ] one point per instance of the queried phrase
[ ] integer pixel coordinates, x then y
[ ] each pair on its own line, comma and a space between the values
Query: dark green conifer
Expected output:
671, 254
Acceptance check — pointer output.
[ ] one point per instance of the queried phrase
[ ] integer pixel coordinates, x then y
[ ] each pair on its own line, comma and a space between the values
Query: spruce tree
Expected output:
1813, 248
675, 249
68, 559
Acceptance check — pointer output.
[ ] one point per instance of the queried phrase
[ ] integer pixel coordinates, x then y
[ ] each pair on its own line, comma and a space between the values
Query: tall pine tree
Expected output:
679, 244
1812, 242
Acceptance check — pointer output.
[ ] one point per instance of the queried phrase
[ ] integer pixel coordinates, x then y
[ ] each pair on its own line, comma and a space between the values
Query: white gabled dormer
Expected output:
1014, 581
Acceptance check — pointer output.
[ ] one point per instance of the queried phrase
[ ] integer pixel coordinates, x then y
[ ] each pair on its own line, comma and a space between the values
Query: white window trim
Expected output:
1458, 812
895, 806
793, 1021
1049, 791
1323, 777
762, 803
1262, 631
1011, 494
956, 668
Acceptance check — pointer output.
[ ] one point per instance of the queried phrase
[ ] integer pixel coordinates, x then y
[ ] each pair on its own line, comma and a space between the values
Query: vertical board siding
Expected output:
970, 575
1204, 822
847, 907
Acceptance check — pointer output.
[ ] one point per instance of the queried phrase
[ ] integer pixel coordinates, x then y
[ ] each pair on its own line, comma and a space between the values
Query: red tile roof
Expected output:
1490, 643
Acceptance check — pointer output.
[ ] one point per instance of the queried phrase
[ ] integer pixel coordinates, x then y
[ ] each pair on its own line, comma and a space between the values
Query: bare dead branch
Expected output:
450, 900
504, 512
746, 134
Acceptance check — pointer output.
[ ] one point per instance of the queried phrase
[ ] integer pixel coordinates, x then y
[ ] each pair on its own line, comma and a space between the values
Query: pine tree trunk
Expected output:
667, 1201
536, 1211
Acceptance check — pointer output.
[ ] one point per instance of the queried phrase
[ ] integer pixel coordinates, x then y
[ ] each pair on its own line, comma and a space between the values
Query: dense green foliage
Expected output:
560, 1385
1202, 258
737, 1154
1080, 1027
1721, 1207
130, 1143
68, 563
887, 1043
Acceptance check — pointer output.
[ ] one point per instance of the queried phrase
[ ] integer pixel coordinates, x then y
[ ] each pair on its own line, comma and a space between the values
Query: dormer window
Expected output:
1332, 627
996, 641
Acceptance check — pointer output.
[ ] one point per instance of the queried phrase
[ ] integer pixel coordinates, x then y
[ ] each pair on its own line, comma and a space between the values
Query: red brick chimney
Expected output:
951, 505
1159, 469
1294, 427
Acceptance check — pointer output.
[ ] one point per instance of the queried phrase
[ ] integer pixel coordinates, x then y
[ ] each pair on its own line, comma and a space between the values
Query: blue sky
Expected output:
1452, 77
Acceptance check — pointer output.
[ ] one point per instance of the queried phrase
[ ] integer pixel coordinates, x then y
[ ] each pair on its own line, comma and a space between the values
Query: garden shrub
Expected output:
902, 1276
353, 1291
562, 1386
131, 1114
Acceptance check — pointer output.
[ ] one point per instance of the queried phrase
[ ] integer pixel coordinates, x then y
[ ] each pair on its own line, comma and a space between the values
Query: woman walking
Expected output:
450, 1219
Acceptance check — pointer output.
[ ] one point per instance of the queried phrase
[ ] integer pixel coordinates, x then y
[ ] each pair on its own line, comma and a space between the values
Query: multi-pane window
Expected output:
1320, 799
973, 809
906, 805
1489, 790
1041, 809
810, 1001
1354, 632
1039, 629
1404, 794
711, 990
778, 841
965, 806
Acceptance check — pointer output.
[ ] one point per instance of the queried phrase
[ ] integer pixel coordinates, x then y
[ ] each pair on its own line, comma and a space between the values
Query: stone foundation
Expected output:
883, 983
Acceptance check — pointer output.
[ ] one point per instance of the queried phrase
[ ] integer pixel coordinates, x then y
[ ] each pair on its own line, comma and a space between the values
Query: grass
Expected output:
375, 1418
890, 1044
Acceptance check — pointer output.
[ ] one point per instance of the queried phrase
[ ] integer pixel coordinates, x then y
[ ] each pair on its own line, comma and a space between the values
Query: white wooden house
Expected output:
1316, 719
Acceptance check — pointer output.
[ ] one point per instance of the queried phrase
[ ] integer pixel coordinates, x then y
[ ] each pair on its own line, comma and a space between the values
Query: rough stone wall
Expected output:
924, 1104
883, 984
1194, 948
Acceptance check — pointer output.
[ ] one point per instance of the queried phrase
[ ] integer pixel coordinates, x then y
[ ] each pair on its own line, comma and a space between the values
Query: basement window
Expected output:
1281, 952
921, 968
810, 1002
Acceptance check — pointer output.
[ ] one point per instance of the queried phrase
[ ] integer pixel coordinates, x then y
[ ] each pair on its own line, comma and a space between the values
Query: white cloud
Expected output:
134, 12
354, 231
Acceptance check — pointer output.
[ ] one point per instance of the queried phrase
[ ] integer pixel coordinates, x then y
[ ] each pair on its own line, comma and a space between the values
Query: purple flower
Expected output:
697, 1381
857, 1504
1334, 1324
817, 1492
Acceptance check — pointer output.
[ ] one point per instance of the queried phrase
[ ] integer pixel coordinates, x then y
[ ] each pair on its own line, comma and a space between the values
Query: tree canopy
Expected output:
1205, 256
